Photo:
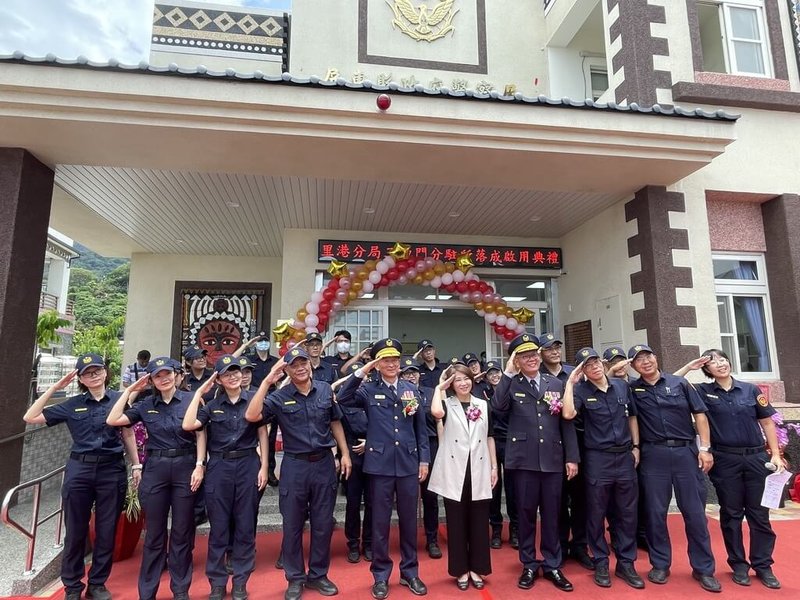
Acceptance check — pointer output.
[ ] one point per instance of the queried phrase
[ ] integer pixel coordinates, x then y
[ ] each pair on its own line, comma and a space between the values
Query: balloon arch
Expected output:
397, 267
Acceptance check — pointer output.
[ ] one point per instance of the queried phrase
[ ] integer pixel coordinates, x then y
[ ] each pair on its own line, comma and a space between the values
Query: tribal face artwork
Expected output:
219, 337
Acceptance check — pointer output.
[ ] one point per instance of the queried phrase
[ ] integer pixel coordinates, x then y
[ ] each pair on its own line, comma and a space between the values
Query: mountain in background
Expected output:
91, 261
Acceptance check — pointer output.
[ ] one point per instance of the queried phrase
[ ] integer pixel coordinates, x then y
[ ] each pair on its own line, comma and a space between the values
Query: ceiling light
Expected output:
232, 204
181, 241
454, 215
252, 243
437, 310
514, 298
536, 285
369, 210
536, 218
368, 296
421, 309
445, 297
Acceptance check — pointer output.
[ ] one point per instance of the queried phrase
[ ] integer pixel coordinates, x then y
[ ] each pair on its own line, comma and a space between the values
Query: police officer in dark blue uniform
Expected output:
665, 405
542, 445
196, 366
609, 460
480, 387
94, 474
341, 351
172, 475
429, 367
323, 371
309, 419
737, 413
357, 531
397, 459
409, 371
505, 482
235, 474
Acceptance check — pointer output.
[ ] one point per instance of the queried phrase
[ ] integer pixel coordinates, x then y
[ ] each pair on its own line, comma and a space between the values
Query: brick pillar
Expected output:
782, 232
26, 190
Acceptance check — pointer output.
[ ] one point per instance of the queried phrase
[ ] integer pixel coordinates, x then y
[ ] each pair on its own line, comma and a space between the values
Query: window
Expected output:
733, 37
598, 79
364, 324
745, 321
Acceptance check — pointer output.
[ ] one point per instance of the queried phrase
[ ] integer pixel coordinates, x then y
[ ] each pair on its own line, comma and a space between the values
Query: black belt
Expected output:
234, 453
672, 443
617, 449
309, 456
95, 458
740, 451
172, 452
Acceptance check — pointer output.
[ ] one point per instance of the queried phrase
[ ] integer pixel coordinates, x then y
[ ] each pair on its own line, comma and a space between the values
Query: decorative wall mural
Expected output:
421, 23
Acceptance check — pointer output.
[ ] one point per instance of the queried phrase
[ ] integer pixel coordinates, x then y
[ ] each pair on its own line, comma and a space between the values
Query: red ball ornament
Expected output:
450, 287
328, 294
324, 307
483, 287
461, 287
333, 284
392, 274
510, 335
472, 285
384, 101
402, 266
384, 281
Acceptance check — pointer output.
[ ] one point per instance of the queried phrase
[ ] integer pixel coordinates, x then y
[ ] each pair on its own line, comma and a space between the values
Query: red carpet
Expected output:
354, 580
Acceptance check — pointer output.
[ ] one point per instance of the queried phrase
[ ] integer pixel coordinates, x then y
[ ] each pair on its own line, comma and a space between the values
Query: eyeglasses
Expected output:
93, 373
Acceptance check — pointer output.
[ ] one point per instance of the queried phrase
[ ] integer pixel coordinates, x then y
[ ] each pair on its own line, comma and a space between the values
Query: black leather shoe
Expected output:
380, 590
629, 575
353, 556
659, 576
239, 591
768, 578
323, 585
73, 596
415, 585
272, 481
434, 551
708, 582
741, 578
601, 576
294, 591
527, 579
581, 556
97, 592
556, 577
497, 541
217, 592
279, 562
513, 539
368, 554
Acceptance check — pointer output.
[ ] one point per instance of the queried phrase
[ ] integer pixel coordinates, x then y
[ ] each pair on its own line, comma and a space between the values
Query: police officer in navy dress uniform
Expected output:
609, 461
172, 475
430, 369
397, 459
309, 419
197, 370
665, 405
541, 446
234, 475
409, 371
737, 413
94, 475
480, 388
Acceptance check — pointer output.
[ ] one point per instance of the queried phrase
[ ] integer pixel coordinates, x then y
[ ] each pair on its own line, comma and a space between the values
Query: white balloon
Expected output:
367, 287
345, 283
312, 320
316, 297
298, 325
490, 318
471, 277
511, 323
312, 330
447, 279
501, 320
458, 276
521, 328
389, 261
464, 297
436, 282
382, 268
374, 277
411, 273
480, 313
312, 308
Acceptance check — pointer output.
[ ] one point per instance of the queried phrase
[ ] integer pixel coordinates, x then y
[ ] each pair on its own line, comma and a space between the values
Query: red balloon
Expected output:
328, 294
450, 287
489, 289
499, 329
384, 281
461, 287
283, 350
392, 274
333, 284
324, 307
482, 287
402, 266
472, 285
510, 335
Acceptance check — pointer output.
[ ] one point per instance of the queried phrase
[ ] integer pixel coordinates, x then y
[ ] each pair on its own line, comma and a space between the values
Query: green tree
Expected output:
46, 326
105, 341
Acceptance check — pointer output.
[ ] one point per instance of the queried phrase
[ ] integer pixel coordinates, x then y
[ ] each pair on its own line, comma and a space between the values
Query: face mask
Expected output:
262, 346
343, 347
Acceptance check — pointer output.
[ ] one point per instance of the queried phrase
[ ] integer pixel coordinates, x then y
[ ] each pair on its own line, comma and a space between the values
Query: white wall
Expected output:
151, 291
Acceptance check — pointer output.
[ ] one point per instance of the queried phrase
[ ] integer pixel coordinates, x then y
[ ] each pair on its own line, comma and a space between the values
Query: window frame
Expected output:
759, 288
728, 47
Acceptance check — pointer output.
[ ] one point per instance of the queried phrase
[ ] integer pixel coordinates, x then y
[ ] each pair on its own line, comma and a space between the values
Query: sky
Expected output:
97, 29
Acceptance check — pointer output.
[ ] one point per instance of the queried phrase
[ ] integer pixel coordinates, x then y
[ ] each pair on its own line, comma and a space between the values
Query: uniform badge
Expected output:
591, 399
637, 348
526, 338
389, 343
762, 400
614, 352
218, 412
295, 352
519, 394
380, 397
87, 360
160, 362
290, 402
226, 360
84, 409
584, 353
152, 412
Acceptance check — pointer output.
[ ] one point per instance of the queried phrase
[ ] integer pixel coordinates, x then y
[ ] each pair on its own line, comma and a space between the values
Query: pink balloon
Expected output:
312, 308
420, 266
389, 260
458, 276
480, 313
447, 279
367, 287
291, 344
312, 320
511, 323
430, 262
374, 277
471, 277
488, 297
402, 280
382, 268
411, 273
436, 282
490, 318
316, 297
345, 283
464, 297
341, 295
336, 306
298, 325
475, 296
520, 329
312, 330
501, 320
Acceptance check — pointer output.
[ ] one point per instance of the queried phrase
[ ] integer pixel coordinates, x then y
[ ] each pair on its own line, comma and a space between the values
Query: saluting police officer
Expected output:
93, 476
541, 446
322, 371
397, 460
610, 457
196, 366
174, 470
665, 405
310, 421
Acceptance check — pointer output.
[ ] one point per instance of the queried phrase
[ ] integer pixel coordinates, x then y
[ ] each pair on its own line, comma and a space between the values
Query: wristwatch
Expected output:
704, 448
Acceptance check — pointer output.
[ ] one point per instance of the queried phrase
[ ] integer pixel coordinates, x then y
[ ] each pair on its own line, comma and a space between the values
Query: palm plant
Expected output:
47, 325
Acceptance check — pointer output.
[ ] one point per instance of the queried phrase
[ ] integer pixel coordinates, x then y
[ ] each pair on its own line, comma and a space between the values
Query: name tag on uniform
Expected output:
713, 396
84, 409
519, 394
218, 412
380, 397
290, 402
591, 399
639, 390
152, 412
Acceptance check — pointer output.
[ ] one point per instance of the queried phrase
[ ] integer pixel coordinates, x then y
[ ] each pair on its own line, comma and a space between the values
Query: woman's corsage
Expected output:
554, 400
474, 413
410, 403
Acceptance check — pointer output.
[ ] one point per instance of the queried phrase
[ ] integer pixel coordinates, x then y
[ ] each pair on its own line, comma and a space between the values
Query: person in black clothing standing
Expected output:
429, 367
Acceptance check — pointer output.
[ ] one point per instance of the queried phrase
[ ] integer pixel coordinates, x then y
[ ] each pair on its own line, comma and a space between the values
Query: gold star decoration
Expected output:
464, 263
400, 251
283, 332
523, 315
338, 269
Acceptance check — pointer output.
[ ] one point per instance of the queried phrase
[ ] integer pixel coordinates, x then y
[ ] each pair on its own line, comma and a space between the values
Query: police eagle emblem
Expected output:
422, 24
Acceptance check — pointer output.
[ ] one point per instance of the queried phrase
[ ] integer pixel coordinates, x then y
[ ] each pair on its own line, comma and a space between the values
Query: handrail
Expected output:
21, 434
36, 484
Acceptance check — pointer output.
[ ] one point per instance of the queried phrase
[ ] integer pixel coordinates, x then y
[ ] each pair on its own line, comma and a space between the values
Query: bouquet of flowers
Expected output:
554, 400
410, 403
473, 413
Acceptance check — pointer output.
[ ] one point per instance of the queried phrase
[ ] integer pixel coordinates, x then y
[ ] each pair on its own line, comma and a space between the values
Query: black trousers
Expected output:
467, 533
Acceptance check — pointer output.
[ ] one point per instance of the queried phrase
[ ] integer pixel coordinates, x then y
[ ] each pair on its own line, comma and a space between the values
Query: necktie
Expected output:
393, 391
535, 388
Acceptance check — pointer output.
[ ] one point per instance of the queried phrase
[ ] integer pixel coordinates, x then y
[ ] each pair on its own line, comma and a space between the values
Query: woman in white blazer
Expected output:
464, 474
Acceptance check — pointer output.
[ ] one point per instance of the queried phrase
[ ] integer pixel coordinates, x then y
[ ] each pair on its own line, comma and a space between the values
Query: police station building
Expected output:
626, 170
